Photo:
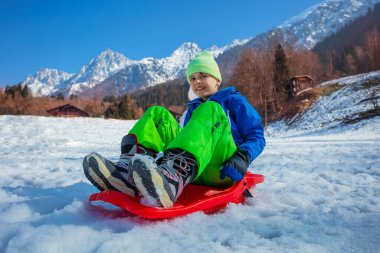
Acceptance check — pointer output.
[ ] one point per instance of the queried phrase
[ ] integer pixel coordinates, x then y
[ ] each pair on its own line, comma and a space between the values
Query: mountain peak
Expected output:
216, 51
46, 80
49, 76
181, 57
111, 55
105, 64
187, 48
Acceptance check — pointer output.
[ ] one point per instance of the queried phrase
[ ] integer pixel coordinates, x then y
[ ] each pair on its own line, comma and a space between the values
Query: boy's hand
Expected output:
235, 167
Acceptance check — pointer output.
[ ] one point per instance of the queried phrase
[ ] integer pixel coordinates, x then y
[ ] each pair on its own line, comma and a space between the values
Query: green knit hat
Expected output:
205, 63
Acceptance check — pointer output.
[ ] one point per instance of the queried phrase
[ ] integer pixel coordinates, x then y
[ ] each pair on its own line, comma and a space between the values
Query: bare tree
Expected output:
372, 40
303, 62
374, 95
243, 74
253, 77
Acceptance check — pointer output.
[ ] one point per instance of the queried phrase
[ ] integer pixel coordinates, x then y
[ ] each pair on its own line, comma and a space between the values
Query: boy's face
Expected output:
203, 85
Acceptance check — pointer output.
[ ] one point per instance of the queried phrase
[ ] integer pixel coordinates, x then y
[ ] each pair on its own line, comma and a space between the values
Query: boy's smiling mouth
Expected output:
200, 88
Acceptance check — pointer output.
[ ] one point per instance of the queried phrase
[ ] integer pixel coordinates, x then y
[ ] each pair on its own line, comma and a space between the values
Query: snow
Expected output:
321, 194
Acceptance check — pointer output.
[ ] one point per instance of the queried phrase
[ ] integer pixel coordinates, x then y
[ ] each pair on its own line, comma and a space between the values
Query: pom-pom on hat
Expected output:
205, 63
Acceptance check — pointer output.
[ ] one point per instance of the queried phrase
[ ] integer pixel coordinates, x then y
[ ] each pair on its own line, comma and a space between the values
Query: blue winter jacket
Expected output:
245, 122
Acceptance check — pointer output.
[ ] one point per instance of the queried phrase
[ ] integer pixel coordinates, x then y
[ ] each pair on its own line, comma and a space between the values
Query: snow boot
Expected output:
106, 175
103, 174
161, 185
130, 147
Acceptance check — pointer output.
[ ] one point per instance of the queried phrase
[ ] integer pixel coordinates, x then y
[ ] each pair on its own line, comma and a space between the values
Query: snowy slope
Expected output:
321, 194
330, 111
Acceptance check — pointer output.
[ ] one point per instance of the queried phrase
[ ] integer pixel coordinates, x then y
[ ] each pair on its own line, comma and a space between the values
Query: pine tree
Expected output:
73, 96
125, 109
110, 99
60, 96
25, 91
281, 71
111, 111
173, 92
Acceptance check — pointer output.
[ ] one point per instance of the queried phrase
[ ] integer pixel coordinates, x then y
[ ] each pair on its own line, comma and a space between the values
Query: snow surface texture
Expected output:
321, 190
321, 194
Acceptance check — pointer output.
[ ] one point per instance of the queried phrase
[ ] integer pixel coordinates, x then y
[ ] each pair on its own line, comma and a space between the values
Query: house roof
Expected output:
302, 76
64, 107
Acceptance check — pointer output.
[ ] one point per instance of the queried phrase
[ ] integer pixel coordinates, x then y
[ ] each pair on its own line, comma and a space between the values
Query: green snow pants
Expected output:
207, 136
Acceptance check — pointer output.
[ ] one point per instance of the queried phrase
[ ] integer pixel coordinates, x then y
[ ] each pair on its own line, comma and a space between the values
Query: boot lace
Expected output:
181, 164
145, 151
124, 162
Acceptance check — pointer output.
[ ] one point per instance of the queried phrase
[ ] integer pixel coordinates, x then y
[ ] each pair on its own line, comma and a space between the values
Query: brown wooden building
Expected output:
300, 83
68, 111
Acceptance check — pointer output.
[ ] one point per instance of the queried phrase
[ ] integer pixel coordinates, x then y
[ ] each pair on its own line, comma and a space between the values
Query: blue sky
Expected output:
66, 34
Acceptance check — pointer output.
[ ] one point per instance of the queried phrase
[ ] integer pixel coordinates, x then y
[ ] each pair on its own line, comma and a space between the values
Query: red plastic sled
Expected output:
194, 198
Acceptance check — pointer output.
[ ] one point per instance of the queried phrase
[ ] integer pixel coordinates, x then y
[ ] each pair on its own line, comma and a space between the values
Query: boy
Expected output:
219, 135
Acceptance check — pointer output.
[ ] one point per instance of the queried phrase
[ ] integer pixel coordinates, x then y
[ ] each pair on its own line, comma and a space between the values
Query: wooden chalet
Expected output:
300, 83
68, 111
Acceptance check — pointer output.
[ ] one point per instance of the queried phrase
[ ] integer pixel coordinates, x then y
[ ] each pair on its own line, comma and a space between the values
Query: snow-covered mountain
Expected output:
216, 51
304, 30
315, 23
51, 81
320, 21
112, 72
97, 70
149, 71
46, 81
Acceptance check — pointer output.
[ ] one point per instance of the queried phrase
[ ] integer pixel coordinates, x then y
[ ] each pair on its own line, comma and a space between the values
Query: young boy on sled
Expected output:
219, 135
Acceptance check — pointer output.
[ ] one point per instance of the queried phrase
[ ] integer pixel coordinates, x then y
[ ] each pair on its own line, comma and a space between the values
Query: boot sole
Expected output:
92, 173
151, 184
103, 174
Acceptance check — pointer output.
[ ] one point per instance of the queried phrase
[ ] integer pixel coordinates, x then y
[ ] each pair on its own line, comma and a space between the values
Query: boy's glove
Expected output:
235, 167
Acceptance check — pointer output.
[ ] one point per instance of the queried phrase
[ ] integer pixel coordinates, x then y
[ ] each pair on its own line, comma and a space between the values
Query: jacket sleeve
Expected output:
248, 123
